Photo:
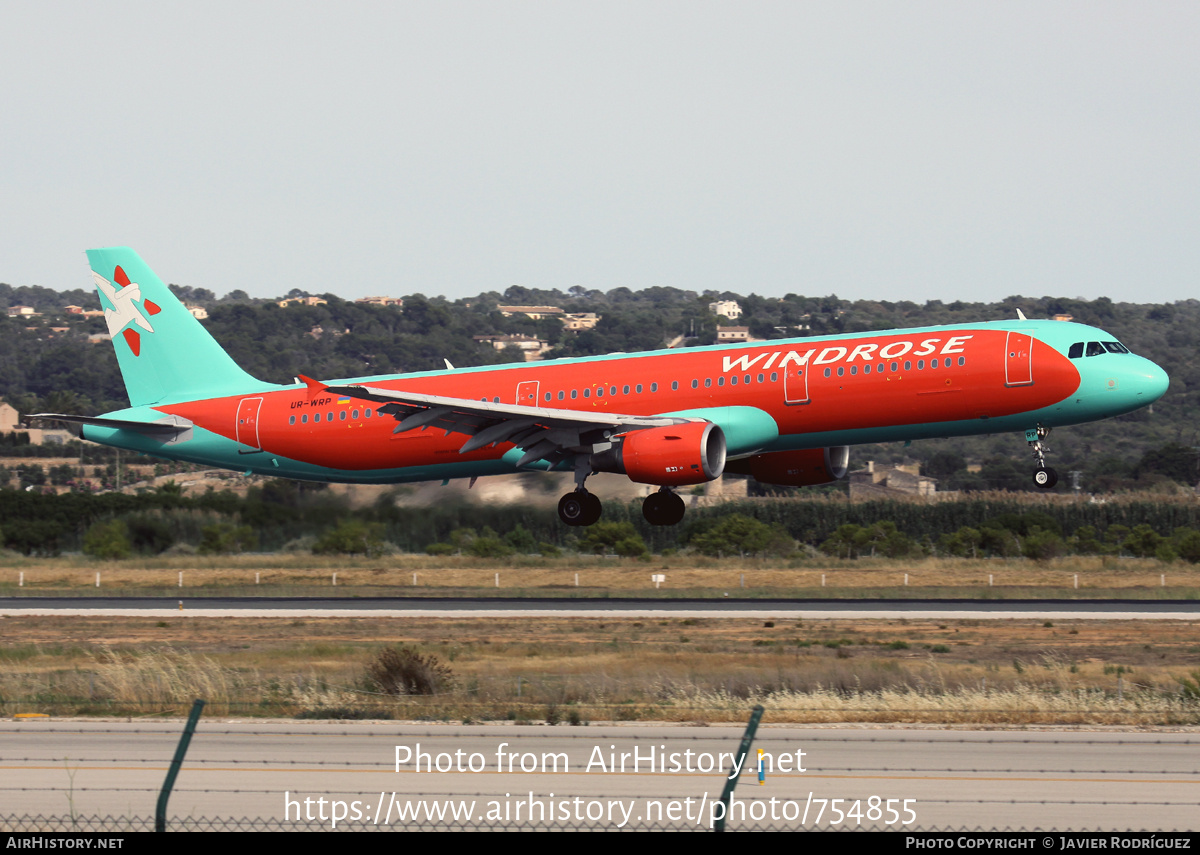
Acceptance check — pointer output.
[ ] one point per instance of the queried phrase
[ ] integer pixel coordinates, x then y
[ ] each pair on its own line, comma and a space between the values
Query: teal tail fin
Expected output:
164, 352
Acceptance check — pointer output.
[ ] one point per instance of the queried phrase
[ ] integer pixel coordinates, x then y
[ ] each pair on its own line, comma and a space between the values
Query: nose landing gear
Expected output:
1043, 476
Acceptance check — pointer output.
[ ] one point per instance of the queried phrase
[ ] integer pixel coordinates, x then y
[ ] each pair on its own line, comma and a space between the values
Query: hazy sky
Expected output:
898, 150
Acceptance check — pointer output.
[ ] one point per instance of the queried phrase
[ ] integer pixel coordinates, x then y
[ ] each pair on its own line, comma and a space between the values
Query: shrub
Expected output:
404, 671
630, 547
489, 547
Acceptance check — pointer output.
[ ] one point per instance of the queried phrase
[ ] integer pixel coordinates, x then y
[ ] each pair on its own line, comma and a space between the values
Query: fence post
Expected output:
743, 750
160, 811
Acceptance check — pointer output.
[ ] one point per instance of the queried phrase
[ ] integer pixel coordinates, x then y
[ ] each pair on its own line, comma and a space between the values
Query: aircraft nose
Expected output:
1156, 381
1147, 381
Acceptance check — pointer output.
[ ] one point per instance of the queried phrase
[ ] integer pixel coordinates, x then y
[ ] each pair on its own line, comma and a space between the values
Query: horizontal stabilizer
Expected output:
165, 429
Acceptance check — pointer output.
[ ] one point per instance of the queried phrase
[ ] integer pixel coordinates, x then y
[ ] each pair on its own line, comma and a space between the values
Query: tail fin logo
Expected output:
124, 315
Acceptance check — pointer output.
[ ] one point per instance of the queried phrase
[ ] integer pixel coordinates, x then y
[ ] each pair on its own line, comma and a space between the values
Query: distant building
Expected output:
198, 312
1064, 318
535, 312
303, 301
580, 320
531, 346
382, 301
725, 488
9, 418
728, 335
22, 312
881, 482
10, 421
80, 311
728, 308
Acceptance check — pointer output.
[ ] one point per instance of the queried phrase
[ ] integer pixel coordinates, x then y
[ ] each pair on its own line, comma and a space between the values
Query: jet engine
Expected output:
670, 456
803, 468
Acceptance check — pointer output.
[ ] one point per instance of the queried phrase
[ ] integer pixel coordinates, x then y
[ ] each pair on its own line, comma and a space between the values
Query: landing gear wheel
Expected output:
663, 508
652, 509
1045, 478
592, 509
674, 509
579, 508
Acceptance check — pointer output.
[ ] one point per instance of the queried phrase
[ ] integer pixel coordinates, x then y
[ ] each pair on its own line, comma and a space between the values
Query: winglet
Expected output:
1021, 316
315, 387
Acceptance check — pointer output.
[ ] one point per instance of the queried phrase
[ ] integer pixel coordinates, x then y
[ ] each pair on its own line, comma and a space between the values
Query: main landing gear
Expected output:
662, 508
1043, 475
580, 507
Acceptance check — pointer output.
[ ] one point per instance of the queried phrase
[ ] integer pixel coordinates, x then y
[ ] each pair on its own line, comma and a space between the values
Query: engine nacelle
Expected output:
670, 456
803, 468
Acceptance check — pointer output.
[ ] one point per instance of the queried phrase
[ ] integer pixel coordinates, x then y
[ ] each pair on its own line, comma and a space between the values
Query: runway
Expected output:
498, 607
604, 776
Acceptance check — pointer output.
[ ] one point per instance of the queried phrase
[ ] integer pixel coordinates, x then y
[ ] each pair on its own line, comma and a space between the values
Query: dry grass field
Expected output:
587, 670
581, 670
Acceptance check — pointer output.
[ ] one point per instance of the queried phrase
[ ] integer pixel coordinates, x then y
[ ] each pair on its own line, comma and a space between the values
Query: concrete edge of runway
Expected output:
428, 607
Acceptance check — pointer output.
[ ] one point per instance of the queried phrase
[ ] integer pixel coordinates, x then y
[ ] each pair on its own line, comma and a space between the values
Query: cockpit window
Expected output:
1096, 348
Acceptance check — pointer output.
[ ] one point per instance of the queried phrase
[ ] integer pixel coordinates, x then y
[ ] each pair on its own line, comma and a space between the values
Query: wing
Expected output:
542, 433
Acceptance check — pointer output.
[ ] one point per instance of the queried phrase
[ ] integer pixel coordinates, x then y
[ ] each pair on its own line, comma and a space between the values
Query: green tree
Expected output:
1042, 545
108, 540
1086, 542
846, 542
1174, 461
352, 537
521, 540
1142, 542
605, 536
741, 535
225, 538
1187, 544
963, 543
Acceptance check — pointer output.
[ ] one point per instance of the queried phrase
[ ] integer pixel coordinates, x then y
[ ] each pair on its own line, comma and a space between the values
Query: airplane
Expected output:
784, 412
